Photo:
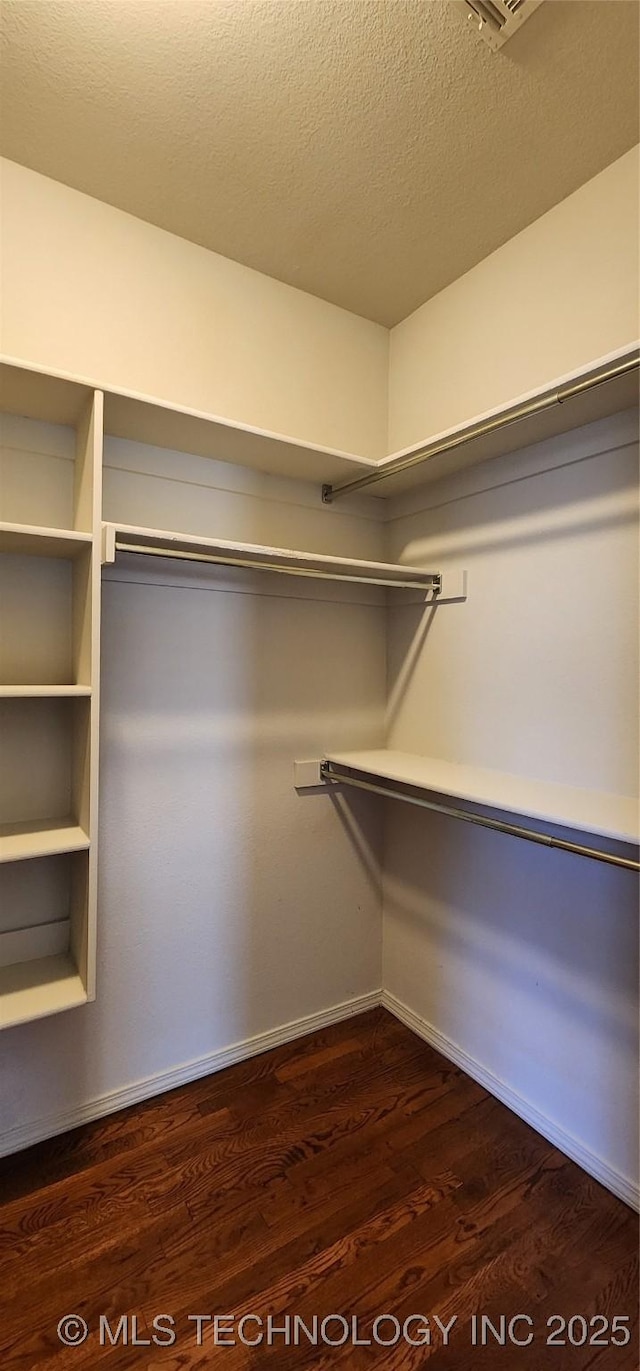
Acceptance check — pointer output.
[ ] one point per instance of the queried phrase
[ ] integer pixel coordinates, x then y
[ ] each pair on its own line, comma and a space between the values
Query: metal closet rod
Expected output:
432, 578
330, 772
558, 397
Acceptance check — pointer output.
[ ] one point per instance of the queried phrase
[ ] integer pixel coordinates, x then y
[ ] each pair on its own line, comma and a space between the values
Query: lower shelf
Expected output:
35, 942
45, 838
587, 811
32, 990
47, 692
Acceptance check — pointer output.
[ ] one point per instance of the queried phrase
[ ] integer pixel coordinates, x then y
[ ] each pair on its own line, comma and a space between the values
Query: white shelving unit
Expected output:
49, 697
50, 626
587, 811
61, 399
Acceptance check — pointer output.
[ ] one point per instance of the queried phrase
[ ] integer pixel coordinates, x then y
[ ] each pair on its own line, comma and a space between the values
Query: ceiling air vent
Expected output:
495, 21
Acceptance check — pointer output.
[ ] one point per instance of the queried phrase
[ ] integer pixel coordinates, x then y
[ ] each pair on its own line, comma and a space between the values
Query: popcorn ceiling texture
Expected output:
366, 151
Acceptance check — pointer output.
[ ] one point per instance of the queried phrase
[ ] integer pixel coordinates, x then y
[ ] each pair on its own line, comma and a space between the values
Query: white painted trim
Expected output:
15, 1139
596, 1166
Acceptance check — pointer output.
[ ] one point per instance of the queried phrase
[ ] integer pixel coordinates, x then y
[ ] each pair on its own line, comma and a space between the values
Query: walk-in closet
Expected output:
319, 677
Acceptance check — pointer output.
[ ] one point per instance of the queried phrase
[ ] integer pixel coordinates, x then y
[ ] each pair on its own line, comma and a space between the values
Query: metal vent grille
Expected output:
495, 21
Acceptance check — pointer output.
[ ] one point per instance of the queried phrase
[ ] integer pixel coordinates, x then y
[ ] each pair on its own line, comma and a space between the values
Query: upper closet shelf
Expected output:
154, 542
593, 392
587, 811
61, 399
207, 435
577, 398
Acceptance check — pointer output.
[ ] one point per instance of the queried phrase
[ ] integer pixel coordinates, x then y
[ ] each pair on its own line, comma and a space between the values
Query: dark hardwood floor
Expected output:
353, 1173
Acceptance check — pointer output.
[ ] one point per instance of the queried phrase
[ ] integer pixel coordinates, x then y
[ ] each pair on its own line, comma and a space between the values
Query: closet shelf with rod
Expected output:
599, 387
431, 783
579, 398
186, 547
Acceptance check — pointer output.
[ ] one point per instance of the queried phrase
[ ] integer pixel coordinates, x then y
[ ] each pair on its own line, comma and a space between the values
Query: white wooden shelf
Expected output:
585, 408
49, 692
145, 420
50, 397
49, 698
588, 811
32, 541
119, 537
469, 444
23, 841
31, 990
60, 398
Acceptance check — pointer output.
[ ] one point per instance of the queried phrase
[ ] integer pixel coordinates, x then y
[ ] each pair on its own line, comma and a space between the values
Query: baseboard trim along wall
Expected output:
16, 1139
614, 1181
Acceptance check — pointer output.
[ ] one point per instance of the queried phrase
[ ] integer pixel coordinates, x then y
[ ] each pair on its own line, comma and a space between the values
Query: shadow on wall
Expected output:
411, 631
253, 903
585, 482
527, 959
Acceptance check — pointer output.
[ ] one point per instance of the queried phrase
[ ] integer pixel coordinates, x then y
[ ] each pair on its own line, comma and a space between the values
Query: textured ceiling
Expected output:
367, 151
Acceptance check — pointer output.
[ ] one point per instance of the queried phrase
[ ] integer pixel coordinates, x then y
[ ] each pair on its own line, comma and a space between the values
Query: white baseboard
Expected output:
15, 1139
613, 1180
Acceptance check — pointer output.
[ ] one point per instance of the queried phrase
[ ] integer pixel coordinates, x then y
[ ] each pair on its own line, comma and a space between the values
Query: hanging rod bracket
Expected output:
327, 495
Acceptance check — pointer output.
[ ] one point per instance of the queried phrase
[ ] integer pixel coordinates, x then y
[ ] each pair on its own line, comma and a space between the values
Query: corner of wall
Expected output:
547, 302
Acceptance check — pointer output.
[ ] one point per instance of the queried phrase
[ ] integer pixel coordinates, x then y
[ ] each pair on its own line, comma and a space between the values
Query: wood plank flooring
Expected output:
353, 1173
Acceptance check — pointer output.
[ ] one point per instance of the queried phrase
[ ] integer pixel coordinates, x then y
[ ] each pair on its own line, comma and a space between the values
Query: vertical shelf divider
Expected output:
86, 648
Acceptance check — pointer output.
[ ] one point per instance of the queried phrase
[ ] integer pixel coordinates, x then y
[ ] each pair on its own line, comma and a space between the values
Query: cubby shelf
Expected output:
50, 692
22, 841
31, 990
587, 811
32, 541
